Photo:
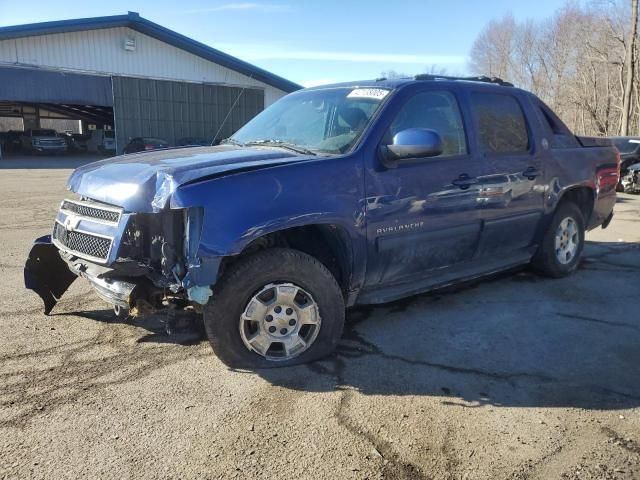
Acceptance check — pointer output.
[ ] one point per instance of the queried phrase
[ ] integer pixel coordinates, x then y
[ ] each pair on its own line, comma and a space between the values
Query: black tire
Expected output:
545, 261
247, 277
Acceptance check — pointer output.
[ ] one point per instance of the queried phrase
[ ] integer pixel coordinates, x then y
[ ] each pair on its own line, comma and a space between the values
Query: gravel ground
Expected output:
515, 377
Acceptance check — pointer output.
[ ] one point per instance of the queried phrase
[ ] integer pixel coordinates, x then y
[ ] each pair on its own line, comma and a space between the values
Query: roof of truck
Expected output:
399, 82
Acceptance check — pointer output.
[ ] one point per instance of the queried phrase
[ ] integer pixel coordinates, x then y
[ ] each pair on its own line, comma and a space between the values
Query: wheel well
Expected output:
329, 244
583, 197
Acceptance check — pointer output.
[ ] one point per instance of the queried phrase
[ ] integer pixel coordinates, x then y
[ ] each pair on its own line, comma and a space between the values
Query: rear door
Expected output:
423, 216
511, 193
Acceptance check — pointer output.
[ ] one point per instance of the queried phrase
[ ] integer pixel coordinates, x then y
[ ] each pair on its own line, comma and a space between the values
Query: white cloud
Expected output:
265, 7
362, 57
279, 52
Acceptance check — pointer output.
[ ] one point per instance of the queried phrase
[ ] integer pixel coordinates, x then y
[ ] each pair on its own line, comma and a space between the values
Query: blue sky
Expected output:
312, 42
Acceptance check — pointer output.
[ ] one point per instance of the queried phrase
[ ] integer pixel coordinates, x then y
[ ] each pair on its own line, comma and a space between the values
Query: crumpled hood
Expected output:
143, 182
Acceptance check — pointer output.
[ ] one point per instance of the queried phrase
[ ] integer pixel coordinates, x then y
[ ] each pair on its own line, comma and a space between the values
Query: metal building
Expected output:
130, 74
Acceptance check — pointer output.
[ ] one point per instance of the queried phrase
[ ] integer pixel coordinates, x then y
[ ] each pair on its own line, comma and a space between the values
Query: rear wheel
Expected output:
562, 245
275, 308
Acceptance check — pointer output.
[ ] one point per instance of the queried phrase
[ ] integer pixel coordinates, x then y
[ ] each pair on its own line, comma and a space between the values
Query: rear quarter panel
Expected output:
582, 167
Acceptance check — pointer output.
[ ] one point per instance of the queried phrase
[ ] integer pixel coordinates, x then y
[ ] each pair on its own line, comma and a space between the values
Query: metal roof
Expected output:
134, 21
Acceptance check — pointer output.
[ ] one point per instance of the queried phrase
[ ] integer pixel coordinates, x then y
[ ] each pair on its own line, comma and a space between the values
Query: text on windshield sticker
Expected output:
377, 93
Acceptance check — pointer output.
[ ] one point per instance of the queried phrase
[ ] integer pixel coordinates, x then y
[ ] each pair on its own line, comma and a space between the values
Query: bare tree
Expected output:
582, 61
491, 51
432, 70
392, 74
629, 61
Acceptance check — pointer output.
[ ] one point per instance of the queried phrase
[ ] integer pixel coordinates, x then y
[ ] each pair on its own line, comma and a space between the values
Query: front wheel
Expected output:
559, 253
275, 308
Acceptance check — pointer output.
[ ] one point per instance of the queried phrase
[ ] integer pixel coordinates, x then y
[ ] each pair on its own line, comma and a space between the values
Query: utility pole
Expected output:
628, 83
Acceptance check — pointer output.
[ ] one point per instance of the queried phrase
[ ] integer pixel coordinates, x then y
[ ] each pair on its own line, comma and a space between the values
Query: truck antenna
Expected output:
213, 142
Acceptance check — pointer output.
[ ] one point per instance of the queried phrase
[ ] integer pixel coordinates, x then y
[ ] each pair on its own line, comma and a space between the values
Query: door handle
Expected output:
531, 173
464, 181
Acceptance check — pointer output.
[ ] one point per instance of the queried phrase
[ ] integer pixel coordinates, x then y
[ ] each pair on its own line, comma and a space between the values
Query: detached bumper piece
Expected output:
46, 273
114, 292
133, 261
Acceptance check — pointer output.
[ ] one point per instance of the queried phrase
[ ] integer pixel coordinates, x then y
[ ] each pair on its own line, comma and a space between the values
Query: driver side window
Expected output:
438, 111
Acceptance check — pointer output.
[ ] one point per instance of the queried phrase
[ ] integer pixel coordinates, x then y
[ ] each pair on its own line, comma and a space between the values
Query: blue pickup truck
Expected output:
356, 193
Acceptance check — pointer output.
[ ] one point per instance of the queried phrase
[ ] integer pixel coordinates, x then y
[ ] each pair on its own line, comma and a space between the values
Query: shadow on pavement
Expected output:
516, 340
189, 330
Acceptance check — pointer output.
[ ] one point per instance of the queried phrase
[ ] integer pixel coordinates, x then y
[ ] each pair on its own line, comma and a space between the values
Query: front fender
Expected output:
242, 207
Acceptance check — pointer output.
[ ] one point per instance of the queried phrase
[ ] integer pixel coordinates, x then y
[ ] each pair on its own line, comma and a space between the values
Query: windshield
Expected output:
626, 145
326, 121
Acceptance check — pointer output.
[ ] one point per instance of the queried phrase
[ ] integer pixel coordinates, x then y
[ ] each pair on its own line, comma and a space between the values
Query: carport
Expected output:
131, 75
142, 106
35, 95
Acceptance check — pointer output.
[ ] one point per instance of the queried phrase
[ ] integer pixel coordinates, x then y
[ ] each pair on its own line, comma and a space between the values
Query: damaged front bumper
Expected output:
140, 262
49, 274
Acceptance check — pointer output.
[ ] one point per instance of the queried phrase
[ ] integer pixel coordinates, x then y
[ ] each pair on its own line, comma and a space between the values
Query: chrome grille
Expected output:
88, 211
82, 243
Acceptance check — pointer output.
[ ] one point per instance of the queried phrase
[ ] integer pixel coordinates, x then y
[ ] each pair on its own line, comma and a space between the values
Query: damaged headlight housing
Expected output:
193, 219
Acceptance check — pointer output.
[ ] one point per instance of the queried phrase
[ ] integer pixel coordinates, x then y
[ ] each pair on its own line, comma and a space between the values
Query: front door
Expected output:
424, 214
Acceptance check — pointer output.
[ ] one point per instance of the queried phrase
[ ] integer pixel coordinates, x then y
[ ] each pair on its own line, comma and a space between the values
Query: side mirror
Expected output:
410, 144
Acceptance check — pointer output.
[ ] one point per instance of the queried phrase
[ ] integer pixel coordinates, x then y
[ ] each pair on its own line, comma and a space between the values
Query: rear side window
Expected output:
561, 136
501, 123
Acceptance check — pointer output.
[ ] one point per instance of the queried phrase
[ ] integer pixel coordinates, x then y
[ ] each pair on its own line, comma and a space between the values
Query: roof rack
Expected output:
481, 78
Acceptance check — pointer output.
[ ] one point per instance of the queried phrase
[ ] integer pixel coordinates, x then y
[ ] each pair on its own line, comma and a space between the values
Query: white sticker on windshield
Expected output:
377, 93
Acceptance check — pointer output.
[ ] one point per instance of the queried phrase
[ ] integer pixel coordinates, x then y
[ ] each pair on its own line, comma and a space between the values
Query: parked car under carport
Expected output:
43, 140
141, 144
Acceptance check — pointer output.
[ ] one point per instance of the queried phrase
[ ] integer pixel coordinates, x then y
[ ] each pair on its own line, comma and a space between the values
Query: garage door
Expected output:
41, 86
173, 110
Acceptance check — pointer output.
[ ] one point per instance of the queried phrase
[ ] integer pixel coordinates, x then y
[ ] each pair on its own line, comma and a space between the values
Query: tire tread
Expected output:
544, 261
226, 289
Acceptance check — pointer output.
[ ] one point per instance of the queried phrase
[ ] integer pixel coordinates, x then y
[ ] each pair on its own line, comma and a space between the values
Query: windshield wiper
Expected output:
279, 143
231, 141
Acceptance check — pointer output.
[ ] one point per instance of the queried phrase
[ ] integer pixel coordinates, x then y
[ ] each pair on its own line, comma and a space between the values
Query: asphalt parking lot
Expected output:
514, 377
66, 162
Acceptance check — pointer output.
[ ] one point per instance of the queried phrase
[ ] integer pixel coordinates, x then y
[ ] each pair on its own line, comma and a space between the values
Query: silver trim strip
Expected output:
97, 206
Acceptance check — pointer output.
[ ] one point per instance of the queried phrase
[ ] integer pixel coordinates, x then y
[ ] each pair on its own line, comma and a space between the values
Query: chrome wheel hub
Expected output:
567, 240
280, 322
